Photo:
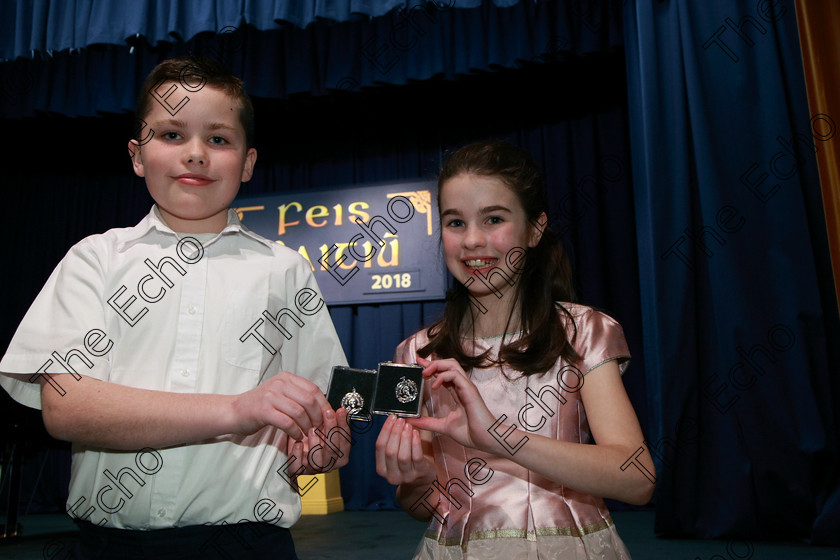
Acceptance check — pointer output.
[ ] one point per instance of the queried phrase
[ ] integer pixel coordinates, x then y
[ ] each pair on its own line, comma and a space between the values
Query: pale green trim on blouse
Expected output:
614, 358
489, 337
577, 532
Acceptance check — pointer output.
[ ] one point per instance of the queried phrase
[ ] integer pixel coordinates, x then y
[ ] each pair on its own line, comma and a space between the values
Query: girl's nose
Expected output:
473, 237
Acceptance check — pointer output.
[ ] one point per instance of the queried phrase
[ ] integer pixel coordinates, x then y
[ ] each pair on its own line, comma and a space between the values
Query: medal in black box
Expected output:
354, 390
399, 389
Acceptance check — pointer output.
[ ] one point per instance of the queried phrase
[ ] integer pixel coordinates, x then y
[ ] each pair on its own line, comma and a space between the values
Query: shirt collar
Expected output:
154, 221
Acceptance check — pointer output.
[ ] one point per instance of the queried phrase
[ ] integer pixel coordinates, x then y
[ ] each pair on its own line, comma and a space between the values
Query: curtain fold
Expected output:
398, 48
48, 26
739, 313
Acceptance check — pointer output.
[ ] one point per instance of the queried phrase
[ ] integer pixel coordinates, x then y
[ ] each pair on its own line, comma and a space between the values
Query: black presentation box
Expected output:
389, 389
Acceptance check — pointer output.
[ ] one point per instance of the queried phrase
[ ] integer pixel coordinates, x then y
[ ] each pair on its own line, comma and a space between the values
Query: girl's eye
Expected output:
218, 140
455, 223
495, 219
171, 135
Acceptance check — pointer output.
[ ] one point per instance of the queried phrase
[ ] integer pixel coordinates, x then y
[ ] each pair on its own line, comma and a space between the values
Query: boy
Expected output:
179, 340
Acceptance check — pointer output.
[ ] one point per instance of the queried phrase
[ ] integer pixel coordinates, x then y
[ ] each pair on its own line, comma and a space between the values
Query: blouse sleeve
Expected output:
600, 339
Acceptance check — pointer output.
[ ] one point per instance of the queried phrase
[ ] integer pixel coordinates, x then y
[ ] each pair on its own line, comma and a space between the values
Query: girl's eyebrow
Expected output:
483, 211
491, 209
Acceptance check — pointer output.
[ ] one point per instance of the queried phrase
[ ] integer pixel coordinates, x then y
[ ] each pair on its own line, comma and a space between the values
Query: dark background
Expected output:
644, 135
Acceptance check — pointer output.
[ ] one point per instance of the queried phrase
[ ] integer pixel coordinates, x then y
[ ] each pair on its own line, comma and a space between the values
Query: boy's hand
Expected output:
291, 403
324, 451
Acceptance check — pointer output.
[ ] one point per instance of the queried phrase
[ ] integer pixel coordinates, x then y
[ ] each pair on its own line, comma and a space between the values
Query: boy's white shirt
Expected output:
193, 338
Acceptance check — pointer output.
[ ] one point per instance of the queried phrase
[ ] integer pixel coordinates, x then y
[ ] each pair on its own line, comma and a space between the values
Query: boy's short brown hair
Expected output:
192, 73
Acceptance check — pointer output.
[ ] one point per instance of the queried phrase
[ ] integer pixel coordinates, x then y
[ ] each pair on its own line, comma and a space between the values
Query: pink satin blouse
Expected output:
496, 508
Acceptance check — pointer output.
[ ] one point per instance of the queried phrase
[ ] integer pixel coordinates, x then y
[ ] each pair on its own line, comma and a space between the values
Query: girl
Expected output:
504, 467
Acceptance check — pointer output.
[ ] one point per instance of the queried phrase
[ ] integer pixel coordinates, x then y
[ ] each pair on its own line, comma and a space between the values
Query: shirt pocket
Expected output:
246, 338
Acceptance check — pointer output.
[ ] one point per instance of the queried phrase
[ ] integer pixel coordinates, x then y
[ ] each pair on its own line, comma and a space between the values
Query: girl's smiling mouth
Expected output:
480, 263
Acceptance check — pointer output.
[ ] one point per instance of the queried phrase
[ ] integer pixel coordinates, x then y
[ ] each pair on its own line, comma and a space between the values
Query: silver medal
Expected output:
352, 402
406, 390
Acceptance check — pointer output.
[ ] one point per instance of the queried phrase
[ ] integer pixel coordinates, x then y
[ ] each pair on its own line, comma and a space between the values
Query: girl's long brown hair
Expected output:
545, 277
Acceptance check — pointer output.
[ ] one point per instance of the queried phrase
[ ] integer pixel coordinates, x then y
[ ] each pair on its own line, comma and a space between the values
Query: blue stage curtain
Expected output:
402, 46
45, 26
738, 306
577, 133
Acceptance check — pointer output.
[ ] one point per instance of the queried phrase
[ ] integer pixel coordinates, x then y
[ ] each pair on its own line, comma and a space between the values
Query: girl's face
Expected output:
482, 221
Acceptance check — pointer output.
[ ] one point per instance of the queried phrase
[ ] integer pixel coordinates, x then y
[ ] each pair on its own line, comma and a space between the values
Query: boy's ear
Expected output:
537, 228
136, 157
248, 169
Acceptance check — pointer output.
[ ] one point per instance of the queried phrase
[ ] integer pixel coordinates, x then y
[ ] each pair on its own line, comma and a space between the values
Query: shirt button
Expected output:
191, 309
161, 512
185, 373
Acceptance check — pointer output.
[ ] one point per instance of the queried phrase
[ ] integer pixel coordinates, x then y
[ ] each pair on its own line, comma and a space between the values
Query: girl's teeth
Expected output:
480, 263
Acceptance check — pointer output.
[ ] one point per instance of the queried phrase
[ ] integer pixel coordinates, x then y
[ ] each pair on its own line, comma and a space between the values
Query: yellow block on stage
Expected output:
323, 495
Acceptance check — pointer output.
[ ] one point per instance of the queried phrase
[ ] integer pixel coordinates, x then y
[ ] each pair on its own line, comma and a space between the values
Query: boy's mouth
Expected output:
194, 179
479, 264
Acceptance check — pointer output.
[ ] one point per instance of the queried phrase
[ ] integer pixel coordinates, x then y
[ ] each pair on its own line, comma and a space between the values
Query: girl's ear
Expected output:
537, 228
136, 158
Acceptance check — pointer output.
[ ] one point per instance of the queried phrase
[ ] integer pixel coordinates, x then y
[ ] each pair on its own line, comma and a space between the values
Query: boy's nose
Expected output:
196, 153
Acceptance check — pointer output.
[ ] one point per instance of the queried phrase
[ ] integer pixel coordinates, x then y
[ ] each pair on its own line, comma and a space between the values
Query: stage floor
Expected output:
360, 535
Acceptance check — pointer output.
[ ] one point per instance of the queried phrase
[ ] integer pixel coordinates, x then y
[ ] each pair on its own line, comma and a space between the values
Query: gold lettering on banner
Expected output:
317, 212
338, 214
242, 209
395, 252
347, 264
422, 202
282, 223
367, 248
354, 209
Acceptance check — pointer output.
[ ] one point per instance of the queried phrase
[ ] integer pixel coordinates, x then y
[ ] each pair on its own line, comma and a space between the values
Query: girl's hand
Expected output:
399, 454
466, 424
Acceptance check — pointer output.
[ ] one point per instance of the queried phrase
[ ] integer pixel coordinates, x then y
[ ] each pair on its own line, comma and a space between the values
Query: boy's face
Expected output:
195, 161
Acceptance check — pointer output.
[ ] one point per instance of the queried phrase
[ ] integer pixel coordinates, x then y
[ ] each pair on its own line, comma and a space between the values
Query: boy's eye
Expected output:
218, 140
